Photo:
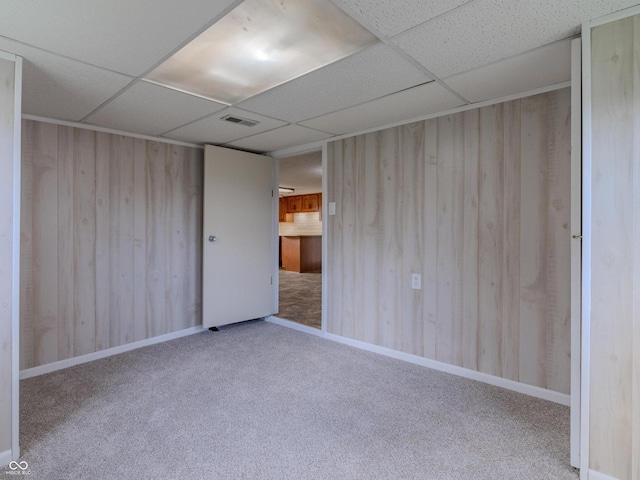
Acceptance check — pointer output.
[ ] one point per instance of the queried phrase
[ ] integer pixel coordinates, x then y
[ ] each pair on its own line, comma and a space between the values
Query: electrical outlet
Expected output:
416, 281
332, 208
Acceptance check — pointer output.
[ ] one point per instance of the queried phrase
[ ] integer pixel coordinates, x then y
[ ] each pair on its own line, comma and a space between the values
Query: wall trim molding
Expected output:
96, 128
283, 322
530, 390
595, 475
71, 362
612, 17
5, 458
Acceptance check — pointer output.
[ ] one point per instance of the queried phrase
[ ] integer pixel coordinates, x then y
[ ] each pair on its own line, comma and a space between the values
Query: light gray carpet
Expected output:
260, 401
300, 298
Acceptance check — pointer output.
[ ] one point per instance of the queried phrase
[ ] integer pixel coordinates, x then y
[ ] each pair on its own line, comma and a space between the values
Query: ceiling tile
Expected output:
121, 35
151, 109
541, 67
389, 18
485, 31
405, 105
369, 74
60, 88
215, 131
283, 137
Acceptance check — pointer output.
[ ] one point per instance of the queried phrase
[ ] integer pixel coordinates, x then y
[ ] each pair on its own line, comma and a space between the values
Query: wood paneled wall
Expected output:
615, 250
111, 241
7, 287
478, 203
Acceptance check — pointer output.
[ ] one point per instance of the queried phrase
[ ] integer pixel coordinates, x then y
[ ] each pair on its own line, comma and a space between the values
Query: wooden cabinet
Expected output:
299, 203
294, 204
282, 217
310, 203
302, 254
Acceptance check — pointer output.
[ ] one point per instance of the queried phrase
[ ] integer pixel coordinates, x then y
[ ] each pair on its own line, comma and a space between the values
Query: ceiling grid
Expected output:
84, 61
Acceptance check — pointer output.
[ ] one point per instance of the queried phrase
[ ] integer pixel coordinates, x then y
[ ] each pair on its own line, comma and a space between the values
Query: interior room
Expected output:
472, 241
300, 235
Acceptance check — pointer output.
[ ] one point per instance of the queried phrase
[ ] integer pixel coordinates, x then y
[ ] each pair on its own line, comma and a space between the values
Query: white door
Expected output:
239, 262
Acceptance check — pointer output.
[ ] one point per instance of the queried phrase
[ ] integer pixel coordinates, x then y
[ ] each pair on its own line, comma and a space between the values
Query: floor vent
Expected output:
240, 121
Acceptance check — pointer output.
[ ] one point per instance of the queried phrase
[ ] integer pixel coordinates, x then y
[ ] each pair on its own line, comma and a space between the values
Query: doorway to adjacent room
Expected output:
300, 239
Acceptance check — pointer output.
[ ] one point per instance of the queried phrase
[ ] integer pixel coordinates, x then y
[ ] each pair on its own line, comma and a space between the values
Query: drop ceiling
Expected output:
85, 62
302, 172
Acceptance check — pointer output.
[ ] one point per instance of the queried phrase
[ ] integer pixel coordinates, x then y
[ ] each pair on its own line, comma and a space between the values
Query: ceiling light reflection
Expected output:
261, 44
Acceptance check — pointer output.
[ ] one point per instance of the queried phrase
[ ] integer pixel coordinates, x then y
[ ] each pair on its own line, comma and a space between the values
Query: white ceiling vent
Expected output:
240, 121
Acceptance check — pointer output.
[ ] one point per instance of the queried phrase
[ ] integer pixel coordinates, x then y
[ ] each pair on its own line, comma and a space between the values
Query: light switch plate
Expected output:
332, 208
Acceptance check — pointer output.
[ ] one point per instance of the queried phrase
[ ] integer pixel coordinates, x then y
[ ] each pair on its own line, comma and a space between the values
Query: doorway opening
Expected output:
300, 239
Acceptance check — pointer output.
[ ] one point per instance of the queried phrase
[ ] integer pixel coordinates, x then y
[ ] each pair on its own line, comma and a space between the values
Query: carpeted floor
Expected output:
260, 401
300, 298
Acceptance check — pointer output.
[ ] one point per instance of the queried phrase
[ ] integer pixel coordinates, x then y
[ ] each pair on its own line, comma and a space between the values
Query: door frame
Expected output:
290, 322
576, 247
15, 259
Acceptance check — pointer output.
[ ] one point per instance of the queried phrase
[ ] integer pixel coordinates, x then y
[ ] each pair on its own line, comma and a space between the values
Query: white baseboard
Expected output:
593, 475
70, 362
294, 326
531, 390
5, 458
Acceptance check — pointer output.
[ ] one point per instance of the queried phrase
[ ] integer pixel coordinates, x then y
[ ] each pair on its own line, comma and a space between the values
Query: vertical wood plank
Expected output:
84, 241
346, 223
411, 157
470, 239
122, 325
155, 239
27, 351
430, 235
613, 248
367, 218
558, 260
490, 315
511, 242
103, 238
533, 240
139, 239
446, 249
65, 243
45, 244
175, 239
457, 205
194, 179
388, 245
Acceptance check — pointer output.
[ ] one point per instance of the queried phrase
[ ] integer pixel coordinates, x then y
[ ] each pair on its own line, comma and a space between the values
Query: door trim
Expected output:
325, 250
576, 246
585, 354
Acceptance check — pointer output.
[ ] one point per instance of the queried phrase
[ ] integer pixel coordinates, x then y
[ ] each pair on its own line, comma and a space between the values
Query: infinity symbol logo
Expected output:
15, 465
